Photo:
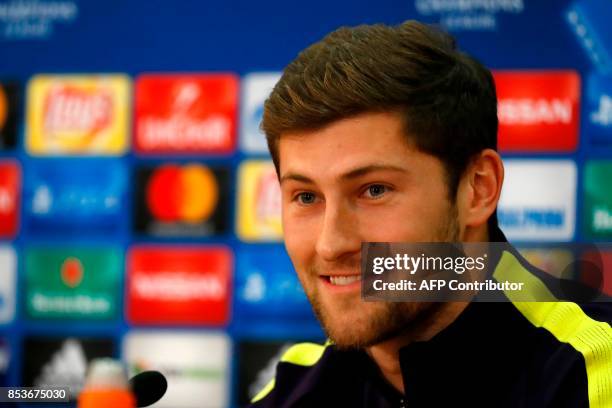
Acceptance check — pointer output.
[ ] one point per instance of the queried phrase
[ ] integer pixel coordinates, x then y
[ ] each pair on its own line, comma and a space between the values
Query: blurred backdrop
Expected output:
139, 213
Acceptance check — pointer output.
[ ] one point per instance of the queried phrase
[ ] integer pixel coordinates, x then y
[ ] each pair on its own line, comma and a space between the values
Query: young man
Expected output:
388, 134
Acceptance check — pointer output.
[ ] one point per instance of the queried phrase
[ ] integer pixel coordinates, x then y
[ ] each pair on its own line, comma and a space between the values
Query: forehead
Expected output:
363, 140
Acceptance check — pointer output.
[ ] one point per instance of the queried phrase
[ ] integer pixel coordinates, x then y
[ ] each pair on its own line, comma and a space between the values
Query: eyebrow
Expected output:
352, 174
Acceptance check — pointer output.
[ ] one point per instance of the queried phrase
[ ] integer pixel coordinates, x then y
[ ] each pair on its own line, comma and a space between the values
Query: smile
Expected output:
343, 280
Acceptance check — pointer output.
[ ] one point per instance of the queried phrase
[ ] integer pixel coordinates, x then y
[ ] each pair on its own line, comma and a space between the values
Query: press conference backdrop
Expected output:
139, 211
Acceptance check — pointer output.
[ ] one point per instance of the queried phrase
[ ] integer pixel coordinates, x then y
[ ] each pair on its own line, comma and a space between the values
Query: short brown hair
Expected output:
447, 98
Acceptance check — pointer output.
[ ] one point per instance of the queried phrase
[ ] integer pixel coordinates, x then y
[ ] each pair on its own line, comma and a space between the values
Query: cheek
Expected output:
299, 236
388, 227
407, 220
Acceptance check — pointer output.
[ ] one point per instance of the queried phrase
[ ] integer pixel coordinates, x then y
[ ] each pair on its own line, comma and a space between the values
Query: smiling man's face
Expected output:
358, 180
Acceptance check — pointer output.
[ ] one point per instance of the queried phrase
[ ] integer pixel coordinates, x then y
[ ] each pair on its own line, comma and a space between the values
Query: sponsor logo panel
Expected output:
186, 113
70, 196
9, 116
256, 88
181, 200
8, 276
597, 208
266, 285
179, 285
196, 365
598, 121
259, 203
538, 200
538, 110
73, 283
80, 115
61, 361
10, 196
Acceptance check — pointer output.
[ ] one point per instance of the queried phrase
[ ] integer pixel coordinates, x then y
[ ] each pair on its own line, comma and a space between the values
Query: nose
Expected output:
339, 234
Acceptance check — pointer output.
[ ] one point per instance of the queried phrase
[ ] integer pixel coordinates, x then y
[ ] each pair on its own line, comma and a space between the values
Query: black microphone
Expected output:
148, 387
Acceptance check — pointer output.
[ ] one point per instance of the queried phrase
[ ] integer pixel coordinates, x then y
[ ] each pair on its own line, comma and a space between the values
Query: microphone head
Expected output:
148, 387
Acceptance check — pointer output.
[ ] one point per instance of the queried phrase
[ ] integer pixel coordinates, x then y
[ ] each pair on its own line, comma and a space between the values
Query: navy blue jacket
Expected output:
512, 354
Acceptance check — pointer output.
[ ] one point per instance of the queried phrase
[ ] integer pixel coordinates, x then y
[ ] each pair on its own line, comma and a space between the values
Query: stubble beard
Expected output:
356, 324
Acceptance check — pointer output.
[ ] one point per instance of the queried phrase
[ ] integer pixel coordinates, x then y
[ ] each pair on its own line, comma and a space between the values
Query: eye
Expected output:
306, 197
376, 190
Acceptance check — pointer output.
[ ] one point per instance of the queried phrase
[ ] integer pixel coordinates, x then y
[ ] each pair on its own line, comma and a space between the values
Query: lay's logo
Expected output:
268, 198
78, 115
71, 109
538, 110
259, 206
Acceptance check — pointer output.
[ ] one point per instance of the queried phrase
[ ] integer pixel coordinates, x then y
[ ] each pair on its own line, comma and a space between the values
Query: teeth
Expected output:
344, 280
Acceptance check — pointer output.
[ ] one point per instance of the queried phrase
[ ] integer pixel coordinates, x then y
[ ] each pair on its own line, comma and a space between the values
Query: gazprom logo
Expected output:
532, 217
538, 200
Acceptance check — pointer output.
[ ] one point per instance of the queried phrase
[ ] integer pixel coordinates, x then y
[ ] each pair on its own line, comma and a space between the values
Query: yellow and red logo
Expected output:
78, 115
259, 205
186, 194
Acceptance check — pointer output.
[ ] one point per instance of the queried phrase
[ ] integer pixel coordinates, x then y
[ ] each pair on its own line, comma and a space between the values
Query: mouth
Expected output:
341, 280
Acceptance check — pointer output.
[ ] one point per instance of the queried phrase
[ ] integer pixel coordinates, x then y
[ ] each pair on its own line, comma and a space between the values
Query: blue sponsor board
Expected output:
256, 88
267, 290
598, 109
70, 197
590, 21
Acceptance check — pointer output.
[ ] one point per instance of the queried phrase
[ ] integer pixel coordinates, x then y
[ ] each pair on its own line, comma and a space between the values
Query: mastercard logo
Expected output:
186, 194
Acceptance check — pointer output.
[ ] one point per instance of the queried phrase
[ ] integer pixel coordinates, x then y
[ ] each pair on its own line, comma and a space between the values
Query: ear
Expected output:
479, 190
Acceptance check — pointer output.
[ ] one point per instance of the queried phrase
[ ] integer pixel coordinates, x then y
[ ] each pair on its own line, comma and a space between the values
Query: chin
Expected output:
369, 323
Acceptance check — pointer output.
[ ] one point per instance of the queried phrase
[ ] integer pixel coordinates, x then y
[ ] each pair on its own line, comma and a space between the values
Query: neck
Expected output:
386, 353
